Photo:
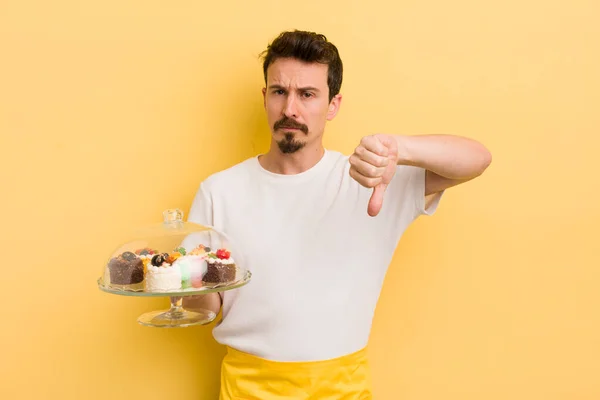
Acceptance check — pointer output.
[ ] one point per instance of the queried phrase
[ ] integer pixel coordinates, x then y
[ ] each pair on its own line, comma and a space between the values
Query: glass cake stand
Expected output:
174, 259
177, 316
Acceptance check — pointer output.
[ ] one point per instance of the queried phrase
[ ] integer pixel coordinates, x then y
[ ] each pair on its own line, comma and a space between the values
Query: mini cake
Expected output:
126, 269
146, 251
161, 275
200, 250
193, 268
174, 255
146, 255
220, 267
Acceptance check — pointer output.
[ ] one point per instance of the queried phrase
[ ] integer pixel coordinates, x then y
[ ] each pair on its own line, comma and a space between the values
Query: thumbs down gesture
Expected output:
373, 165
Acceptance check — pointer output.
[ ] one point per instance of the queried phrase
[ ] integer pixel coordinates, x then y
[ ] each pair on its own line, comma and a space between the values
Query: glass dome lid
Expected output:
173, 258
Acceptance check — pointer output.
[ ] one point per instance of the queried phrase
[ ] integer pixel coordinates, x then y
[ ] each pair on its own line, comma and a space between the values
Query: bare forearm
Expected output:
452, 157
209, 301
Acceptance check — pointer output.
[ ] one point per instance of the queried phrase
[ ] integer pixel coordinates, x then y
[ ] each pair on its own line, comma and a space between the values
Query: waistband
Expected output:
237, 356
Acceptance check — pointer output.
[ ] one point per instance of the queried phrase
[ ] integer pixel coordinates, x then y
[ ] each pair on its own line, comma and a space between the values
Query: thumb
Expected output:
376, 200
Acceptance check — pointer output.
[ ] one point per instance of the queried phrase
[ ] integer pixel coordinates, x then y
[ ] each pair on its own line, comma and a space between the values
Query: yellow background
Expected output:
111, 111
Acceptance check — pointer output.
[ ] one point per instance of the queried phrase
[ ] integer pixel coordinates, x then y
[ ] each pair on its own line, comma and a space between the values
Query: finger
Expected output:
387, 140
364, 180
370, 157
376, 201
374, 145
391, 143
365, 168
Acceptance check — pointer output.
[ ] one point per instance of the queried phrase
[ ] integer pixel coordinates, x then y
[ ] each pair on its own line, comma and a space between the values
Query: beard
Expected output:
290, 144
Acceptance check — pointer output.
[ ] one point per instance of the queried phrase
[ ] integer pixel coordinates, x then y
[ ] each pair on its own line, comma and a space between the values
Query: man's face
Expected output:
297, 103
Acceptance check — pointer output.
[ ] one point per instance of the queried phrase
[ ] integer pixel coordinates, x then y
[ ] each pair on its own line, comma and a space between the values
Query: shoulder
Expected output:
338, 160
217, 187
230, 177
338, 157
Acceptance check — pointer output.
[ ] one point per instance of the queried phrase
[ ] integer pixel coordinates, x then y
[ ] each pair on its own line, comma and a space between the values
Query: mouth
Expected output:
292, 129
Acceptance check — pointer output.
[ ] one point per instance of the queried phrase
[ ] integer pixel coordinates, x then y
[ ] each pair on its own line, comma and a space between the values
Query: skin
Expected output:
297, 105
296, 101
449, 160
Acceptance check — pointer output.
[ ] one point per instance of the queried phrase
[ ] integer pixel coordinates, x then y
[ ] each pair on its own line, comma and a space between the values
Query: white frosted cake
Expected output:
163, 277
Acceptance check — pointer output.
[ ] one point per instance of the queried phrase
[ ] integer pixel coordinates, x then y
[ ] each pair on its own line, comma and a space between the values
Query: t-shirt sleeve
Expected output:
201, 211
405, 196
424, 205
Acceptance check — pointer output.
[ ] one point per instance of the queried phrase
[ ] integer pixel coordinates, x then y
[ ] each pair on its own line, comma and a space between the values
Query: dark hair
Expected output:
308, 47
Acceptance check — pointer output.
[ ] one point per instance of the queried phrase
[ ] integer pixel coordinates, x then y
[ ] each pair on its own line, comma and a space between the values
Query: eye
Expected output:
307, 95
279, 91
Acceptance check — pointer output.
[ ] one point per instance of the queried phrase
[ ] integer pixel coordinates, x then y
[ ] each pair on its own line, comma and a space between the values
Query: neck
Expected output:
290, 164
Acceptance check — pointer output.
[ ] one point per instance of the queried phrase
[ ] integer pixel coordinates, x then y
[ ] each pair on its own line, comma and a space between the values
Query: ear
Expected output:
264, 92
334, 107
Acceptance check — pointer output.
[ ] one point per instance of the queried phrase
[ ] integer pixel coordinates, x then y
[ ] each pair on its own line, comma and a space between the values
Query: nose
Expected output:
290, 109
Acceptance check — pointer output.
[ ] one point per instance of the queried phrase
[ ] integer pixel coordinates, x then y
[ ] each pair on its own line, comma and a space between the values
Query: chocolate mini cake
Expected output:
126, 269
220, 268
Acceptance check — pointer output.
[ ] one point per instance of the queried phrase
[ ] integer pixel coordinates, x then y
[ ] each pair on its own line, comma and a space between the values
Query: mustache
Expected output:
286, 122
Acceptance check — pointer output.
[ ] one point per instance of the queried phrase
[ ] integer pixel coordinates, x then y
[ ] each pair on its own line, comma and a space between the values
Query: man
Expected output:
318, 230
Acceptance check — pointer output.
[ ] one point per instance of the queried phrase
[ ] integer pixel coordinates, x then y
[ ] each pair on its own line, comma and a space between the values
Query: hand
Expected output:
373, 165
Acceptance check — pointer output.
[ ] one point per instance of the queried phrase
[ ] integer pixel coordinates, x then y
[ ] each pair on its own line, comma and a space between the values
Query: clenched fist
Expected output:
373, 165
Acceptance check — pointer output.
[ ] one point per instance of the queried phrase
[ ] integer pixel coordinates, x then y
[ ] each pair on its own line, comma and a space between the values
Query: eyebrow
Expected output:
304, 89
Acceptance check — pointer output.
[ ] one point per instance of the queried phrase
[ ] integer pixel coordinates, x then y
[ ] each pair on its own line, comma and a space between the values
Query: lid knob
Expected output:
173, 215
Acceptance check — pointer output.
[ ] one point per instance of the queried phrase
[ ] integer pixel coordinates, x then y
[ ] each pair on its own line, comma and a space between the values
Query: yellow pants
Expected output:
246, 377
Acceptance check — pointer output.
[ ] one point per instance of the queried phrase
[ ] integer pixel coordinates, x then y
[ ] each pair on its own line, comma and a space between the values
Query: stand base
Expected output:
176, 317
180, 319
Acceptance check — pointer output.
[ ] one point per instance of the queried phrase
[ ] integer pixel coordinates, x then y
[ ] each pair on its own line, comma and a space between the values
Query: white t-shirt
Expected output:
318, 260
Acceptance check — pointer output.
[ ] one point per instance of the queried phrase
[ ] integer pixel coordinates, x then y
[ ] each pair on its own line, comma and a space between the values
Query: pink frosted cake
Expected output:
193, 268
